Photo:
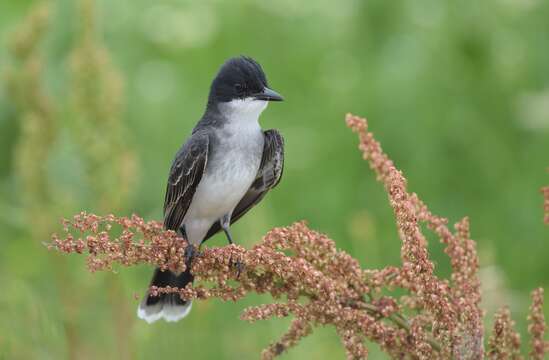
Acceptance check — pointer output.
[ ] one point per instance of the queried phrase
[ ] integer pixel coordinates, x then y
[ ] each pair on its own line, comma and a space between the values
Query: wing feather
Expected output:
185, 175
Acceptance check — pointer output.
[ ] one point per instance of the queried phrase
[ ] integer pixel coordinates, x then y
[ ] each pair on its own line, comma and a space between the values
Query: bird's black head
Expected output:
241, 78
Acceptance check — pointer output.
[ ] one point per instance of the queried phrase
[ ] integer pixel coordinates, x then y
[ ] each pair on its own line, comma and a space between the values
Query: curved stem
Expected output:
399, 320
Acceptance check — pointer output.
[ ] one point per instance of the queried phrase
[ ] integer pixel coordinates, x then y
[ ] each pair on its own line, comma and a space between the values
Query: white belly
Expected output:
228, 177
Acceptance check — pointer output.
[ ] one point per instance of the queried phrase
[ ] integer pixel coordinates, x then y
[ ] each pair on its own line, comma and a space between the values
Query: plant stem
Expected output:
399, 320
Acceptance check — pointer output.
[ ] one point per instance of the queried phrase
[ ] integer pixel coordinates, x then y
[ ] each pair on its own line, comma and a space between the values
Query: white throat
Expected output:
244, 111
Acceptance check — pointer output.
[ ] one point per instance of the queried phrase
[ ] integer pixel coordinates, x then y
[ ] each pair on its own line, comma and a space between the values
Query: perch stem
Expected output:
399, 320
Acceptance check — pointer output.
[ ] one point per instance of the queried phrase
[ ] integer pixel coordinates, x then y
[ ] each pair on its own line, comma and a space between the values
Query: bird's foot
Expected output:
190, 253
239, 266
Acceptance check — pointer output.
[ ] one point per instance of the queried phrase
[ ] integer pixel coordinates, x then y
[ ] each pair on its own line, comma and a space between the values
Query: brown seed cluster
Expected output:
452, 305
106, 245
537, 326
504, 343
317, 284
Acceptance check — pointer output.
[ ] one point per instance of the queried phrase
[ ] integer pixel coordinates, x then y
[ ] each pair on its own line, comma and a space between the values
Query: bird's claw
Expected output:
190, 253
239, 266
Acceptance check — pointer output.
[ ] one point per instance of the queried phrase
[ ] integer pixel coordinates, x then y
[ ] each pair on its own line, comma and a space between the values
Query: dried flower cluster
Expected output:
318, 284
537, 326
504, 342
450, 306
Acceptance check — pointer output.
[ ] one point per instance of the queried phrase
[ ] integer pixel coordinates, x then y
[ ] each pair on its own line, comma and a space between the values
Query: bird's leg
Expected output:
190, 251
225, 223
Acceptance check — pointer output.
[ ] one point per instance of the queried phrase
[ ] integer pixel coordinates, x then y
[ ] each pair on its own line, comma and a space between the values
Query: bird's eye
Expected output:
239, 88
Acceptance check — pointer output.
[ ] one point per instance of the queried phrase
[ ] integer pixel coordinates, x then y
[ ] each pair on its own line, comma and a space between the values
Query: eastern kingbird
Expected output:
226, 167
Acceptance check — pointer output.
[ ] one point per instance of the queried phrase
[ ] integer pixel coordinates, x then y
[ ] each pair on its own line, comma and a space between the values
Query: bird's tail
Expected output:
170, 307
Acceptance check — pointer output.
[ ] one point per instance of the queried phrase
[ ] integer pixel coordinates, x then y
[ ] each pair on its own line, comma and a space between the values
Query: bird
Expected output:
226, 166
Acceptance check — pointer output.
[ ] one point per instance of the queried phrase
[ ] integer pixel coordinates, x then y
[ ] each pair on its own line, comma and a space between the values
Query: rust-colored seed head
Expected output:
537, 326
317, 284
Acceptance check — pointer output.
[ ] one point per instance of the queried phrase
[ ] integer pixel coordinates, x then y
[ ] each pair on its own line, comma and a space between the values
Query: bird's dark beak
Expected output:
268, 95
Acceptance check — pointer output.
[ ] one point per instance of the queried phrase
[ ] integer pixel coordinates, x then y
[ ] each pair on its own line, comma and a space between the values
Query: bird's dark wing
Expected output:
187, 169
268, 176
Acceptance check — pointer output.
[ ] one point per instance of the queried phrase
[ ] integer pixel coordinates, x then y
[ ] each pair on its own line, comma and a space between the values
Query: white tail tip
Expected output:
167, 311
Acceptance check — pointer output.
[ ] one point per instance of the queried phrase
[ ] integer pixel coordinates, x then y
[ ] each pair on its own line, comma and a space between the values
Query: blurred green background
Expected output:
96, 97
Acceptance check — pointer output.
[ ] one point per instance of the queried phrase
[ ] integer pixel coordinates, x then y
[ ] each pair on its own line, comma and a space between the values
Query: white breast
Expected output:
232, 167
224, 184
